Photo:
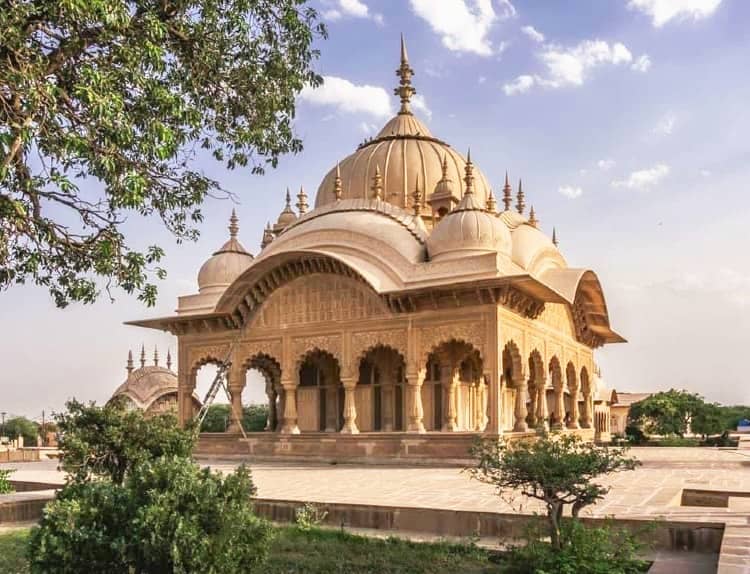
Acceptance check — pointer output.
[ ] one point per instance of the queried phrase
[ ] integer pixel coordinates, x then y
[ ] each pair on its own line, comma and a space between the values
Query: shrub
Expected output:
255, 417
21, 426
5, 486
587, 550
309, 516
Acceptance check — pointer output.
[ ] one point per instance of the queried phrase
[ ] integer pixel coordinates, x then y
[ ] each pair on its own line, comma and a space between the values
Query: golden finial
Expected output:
469, 175
169, 360
233, 225
267, 236
143, 355
491, 204
445, 166
417, 197
377, 183
338, 189
156, 356
533, 221
405, 91
129, 366
302, 201
554, 237
288, 200
521, 203
507, 194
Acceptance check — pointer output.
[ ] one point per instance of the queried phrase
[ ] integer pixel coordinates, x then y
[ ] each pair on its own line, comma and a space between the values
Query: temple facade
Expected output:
402, 316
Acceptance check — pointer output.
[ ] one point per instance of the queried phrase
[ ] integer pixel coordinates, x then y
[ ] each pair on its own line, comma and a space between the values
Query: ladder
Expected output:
220, 383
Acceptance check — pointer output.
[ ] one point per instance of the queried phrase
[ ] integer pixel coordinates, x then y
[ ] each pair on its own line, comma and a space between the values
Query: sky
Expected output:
628, 121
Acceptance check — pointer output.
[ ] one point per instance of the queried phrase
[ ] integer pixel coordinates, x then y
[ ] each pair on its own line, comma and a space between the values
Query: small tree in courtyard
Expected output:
559, 470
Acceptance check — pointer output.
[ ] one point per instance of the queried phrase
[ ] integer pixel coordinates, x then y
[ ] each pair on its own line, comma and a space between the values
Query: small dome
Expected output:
533, 250
226, 264
468, 229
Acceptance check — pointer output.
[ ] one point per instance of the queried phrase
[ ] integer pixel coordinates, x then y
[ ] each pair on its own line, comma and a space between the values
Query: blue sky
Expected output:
627, 120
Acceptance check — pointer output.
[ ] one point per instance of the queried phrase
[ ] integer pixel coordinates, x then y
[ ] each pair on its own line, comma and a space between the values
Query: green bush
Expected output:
219, 417
254, 418
21, 426
600, 550
5, 486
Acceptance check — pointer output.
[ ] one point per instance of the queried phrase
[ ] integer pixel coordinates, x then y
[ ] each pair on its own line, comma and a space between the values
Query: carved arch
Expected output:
555, 372
585, 381
512, 363
430, 338
571, 377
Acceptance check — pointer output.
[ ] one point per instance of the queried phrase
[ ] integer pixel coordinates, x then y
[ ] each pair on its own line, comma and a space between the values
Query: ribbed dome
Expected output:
468, 230
226, 264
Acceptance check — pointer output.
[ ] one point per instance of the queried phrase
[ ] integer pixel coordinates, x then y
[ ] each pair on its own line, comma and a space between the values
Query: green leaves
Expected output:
122, 92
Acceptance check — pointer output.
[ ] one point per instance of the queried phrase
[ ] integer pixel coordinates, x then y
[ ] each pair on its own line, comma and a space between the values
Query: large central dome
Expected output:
407, 156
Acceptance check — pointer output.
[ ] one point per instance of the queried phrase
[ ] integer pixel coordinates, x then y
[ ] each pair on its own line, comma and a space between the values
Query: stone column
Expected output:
493, 399
279, 407
586, 414
533, 397
449, 380
559, 404
290, 408
350, 409
573, 422
415, 412
520, 410
542, 415
235, 409
271, 420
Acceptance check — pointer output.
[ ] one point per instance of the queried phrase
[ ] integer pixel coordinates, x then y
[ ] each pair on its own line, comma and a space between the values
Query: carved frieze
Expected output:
203, 354
330, 343
394, 338
250, 349
470, 332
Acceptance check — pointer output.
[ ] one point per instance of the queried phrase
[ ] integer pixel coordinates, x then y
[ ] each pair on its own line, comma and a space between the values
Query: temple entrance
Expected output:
320, 398
380, 391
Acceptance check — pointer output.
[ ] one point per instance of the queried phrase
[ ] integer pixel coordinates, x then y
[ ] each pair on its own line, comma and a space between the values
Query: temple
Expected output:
400, 317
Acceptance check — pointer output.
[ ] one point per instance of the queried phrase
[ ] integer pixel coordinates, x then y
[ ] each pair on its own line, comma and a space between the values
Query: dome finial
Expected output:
377, 183
143, 355
491, 203
302, 201
233, 225
533, 221
521, 202
507, 194
169, 360
417, 197
267, 236
156, 356
469, 175
338, 188
129, 366
445, 166
288, 199
405, 91
554, 237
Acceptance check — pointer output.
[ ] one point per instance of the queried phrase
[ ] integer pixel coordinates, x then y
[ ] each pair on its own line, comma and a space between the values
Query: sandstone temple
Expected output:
401, 316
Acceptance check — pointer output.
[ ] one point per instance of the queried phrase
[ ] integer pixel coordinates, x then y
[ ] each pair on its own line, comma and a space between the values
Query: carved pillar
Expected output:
290, 408
415, 412
573, 422
520, 410
542, 416
350, 409
235, 385
271, 421
493, 406
387, 382
559, 404
185, 390
586, 414
450, 379
279, 406
533, 397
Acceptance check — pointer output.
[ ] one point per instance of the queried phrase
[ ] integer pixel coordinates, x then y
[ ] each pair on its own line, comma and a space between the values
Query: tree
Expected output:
557, 469
126, 93
107, 442
707, 420
666, 413
21, 426
218, 418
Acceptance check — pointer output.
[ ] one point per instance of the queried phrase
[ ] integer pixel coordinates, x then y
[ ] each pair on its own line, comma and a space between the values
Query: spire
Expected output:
417, 198
507, 194
405, 91
143, 355
267, 236
338, 189
469, 175
520, 197
377, 183
129, 366
491, 204
554, 237
302, 201
169, 360
533, 221
156, 356
233, 227
288, 205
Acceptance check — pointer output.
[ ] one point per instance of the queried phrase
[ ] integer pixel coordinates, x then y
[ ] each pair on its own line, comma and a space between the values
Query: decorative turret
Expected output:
169, 360
521, 199
156, 356
507, 194
267, 236
226, 264
554, 237
442, 199
491, 204
338, 188
286, 216
143, 356
469, 175
129, 366
533, 221
417, 198
377, 184
405, 91
302, 201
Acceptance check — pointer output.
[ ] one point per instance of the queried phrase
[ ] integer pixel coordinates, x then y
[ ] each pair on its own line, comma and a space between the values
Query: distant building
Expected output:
620, 409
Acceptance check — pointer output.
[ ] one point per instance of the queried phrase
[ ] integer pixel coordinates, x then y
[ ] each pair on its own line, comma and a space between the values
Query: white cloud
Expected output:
666, 124
642, 64
464, 25
583, 171
352, 9
533, 33
705, 173
418, 103
605, 164
367, 128
732, 284
349, 98
520, 85
481, 79
644, 179
663, 11
570, 191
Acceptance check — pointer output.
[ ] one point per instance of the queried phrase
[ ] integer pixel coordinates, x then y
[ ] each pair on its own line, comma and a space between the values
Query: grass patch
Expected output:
317, 551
